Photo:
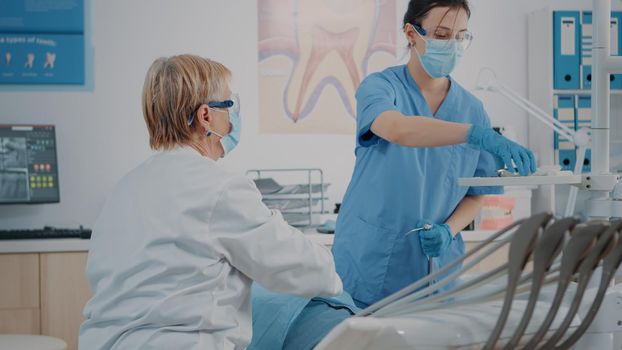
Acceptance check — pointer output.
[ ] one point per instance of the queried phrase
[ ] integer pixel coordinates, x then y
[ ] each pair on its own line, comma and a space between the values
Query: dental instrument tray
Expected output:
300, 202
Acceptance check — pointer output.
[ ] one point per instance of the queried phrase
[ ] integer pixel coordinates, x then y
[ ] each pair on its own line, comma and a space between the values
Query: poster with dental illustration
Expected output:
41, 59
312, 57
42, 42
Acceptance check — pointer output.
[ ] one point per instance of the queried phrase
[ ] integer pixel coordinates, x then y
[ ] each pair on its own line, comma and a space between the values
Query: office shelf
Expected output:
300, 203
583, 92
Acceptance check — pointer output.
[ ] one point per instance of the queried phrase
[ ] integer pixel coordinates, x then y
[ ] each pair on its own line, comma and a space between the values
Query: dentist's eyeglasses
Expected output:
233, 105
464, 37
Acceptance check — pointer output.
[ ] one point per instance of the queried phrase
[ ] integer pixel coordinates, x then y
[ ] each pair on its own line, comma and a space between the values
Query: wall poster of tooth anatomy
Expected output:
42, 42
312, 57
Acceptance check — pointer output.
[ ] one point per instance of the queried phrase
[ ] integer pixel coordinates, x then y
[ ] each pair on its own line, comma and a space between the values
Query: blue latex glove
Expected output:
491, 141
436, 240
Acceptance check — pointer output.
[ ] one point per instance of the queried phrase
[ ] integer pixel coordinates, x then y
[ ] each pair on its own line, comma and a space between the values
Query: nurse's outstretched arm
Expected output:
416, 131
464, 213
378, 117
427, 132
261, 245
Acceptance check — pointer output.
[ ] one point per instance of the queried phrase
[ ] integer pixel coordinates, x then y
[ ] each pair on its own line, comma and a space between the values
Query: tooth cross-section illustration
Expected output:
328, 43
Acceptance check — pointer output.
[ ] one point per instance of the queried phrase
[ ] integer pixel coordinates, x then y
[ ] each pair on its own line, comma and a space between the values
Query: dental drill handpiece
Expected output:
412, 288
425, 227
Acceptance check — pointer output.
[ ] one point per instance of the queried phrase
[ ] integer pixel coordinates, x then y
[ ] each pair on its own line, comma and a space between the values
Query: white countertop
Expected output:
44, 245
82, 245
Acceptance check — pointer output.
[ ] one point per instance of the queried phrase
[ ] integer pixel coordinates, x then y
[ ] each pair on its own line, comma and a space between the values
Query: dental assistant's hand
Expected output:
491, 141
436, 240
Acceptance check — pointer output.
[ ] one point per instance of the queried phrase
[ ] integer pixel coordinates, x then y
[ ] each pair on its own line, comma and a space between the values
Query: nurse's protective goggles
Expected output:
464, 37
233, 105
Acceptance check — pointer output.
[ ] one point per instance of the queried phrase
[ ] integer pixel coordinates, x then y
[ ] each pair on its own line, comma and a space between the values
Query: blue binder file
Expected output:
567, 55
586, 50
616, 45
587, 161
584, 112
587, 43
584, 120
565, 112
567, 158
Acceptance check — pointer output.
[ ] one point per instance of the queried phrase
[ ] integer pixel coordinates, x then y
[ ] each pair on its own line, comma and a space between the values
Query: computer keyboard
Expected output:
45, 233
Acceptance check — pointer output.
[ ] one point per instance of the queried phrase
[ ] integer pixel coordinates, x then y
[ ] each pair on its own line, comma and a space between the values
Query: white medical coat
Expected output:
175, 250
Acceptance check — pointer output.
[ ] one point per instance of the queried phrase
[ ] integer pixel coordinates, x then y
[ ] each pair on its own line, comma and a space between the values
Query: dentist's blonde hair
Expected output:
174, 88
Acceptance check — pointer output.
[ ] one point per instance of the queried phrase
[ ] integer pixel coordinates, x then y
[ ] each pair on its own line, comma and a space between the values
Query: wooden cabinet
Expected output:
19, 293
20, 321
64, 292
19, 274
43, 294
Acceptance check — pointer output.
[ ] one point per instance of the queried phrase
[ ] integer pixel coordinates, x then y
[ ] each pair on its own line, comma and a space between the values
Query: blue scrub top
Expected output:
393, 187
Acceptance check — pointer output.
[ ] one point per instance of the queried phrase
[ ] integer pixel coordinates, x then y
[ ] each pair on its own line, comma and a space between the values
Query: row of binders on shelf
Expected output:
572, 48
575, 112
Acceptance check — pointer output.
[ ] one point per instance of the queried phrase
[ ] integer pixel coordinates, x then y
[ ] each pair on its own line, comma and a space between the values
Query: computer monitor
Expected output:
28, 166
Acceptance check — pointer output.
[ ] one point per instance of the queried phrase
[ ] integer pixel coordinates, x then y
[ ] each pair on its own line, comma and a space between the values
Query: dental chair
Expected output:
554, 292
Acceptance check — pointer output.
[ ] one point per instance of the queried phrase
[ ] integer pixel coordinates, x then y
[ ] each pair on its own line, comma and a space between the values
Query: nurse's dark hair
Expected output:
419, 9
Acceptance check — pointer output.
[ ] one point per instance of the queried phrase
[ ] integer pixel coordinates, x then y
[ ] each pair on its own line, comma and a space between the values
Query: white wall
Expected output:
101, 134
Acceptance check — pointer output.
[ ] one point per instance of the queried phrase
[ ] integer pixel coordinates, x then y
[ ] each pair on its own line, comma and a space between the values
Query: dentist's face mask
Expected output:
442, 52
231, 139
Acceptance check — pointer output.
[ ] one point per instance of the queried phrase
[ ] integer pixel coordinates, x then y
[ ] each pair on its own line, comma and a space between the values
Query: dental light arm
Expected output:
487, 81
490, 83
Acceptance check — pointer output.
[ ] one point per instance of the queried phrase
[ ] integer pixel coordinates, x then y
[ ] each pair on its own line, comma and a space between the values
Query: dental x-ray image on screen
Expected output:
28, 164
13, 169
13, 153
13, 185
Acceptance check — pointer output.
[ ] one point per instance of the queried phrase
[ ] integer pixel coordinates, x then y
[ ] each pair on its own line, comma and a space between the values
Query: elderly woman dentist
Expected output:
180, 240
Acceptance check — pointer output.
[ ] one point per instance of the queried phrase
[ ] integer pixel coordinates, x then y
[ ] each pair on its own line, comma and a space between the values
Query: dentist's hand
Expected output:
493, 142
436, 240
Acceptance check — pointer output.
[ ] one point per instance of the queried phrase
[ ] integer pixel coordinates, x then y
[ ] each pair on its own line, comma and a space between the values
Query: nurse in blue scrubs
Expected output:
418, 131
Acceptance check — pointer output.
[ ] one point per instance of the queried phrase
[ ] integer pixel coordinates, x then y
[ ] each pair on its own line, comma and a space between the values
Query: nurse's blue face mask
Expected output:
442, 50
231, 139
